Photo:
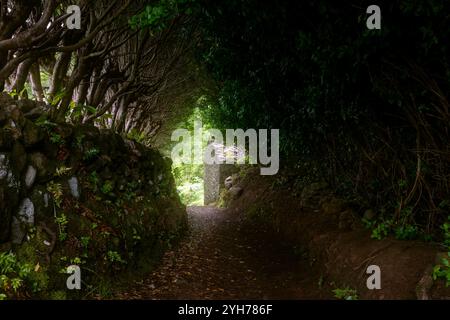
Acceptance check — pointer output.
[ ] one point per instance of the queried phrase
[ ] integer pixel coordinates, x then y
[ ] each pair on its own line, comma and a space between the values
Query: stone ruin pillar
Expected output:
215, 175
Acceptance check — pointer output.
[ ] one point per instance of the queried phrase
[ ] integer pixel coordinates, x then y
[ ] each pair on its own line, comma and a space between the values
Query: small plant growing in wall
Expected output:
114, 256
15, 274
62, 222
107, 187
91, 154
56, 138
62, 171
55, 190
345, 293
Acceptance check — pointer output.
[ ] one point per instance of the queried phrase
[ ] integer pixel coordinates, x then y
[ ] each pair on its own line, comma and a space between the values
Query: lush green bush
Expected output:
366, 109
189, 181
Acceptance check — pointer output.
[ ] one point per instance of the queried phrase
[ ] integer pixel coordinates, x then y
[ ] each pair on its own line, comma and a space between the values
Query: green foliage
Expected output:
107, 187
94, 180
62, 171
345, 293
56, 99
14, 275
79, 140
56, 138
189, 182
341, 94
85, 241
158, 15
55, 190
62, 222
23, 93
443, 270
446, 230
78, 111
406, 232
43, 122
114, 256
381, 228
189, 177
91, 154
136, 135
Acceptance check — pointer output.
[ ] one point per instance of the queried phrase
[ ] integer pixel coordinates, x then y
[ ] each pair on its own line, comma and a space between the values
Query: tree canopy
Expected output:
372, 105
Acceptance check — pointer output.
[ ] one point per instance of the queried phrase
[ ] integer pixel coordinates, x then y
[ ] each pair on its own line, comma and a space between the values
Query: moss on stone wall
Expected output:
78, 195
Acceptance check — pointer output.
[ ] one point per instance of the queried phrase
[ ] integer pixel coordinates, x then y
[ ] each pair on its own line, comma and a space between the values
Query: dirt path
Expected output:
225, 258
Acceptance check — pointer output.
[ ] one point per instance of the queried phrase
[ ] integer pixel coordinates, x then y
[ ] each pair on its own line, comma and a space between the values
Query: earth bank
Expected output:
331, 233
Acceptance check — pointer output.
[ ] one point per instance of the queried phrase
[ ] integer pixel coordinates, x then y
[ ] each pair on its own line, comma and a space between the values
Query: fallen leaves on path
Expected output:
222, 258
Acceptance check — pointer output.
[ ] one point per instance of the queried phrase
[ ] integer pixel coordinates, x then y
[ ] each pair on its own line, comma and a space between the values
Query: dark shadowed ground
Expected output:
224, 258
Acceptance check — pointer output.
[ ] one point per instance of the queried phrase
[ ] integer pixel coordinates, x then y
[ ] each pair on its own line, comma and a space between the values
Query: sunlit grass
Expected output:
191, 194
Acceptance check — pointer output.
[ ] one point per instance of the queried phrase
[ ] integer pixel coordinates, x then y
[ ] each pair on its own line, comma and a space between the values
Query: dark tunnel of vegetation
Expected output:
365, 110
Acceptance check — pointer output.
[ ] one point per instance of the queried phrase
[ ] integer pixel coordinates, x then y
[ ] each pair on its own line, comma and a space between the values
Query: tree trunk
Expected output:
21, 77
36, 84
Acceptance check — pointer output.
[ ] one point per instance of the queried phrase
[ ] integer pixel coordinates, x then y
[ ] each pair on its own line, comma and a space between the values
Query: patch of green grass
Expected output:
189, 182
382, 228
442, 271
16, 275
61, 221
345, 293
107, 187
56, 138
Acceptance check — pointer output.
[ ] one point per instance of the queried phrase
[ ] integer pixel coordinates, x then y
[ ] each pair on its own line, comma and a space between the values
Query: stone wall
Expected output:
61, 183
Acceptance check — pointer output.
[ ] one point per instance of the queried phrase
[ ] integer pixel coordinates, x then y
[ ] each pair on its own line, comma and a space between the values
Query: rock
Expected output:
228, 182
64, 130
74, 189
6, 139
36, 112
25, 105
46, 200
235, 178
4, 168
369, 214
13, 130
7, 174
30, 176
14, 113
5, 212
17, 231
236, 192
32, 134
26, 211
133, 147
41, 201
40, 162
3, 115
18, 157
24, 218
9, 196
